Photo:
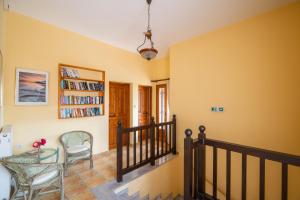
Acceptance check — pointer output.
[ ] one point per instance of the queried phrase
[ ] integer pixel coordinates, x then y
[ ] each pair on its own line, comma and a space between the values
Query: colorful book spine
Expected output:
81, 100
80, 112
69, 73
76, 85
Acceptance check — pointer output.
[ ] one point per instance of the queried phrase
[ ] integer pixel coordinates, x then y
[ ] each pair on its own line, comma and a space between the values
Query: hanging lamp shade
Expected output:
148, 53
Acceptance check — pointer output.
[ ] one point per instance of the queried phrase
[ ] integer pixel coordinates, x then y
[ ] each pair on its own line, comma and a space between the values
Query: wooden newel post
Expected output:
174, 151
201, 160
188, 163
152, 141
119, 152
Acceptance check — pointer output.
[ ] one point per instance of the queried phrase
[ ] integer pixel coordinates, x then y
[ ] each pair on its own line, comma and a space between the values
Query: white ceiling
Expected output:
122, 22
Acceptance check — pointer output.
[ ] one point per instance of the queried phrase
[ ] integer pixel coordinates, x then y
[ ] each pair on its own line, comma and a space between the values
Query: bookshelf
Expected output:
80, 92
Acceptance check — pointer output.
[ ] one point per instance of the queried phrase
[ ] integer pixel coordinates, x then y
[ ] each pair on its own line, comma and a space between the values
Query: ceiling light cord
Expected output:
149, 28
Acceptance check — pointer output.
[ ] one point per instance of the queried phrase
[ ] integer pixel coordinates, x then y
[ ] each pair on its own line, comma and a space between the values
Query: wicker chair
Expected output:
78, 145
32, 180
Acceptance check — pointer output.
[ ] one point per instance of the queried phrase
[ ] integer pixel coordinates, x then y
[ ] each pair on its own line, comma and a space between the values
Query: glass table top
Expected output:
35, 156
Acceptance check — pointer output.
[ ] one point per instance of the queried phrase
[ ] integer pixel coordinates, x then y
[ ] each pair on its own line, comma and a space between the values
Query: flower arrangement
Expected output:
38, 144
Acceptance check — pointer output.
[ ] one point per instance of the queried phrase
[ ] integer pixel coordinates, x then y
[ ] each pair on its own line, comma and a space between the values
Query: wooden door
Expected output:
145, 106
119, 109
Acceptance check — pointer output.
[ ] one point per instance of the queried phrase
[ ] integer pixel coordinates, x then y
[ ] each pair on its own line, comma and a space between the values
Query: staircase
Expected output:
123, 195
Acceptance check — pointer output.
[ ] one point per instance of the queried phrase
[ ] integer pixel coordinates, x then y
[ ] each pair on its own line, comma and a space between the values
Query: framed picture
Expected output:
31, 87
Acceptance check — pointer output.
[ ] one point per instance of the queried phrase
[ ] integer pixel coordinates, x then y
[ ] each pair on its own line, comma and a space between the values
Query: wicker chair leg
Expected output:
13, 196
66, 165
24, 195
91, 162
16, 189
62, 189
65, 169
30, 194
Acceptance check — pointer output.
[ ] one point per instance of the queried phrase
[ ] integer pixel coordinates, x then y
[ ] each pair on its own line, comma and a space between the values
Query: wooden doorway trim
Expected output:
146, 89
144, 107
119, 109
157, 101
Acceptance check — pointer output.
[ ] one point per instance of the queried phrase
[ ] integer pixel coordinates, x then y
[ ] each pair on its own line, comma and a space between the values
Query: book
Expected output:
80, 112
80, 85
79, 100
69, 73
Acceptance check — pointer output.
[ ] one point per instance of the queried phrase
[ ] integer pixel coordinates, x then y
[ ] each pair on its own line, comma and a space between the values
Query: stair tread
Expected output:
123, 195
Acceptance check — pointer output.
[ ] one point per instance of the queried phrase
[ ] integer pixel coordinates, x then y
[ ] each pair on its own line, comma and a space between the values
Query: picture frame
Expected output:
31, 87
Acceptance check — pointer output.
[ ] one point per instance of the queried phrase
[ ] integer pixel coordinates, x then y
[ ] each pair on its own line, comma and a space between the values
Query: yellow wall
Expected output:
160, 68
1, 26
36, 45
1, 58
252, 69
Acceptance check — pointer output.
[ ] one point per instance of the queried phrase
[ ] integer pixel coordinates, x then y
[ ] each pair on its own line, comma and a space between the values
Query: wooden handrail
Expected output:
158, 140
194, 180
257, 152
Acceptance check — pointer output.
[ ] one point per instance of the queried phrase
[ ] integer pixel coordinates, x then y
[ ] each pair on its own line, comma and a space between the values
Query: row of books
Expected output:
76, 85
69, 73
80, 112
67, 100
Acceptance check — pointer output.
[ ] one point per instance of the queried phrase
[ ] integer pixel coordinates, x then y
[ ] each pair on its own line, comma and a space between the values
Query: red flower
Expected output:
36, 144
43, 141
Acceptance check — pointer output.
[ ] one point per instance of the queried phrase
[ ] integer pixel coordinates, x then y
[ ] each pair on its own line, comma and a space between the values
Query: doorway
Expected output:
161, 103
119, 109
145, 106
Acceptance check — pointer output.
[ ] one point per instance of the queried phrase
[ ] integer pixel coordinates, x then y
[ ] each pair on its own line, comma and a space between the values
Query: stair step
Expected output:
169, 197
135, 196
158, 197
178, 197
145, 197
123, 195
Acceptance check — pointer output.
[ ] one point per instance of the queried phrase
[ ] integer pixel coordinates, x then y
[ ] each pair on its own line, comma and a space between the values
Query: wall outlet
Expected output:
19, 146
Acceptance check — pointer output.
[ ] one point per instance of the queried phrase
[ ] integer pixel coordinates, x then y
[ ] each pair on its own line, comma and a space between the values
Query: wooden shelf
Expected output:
61, 65
90, 75
82, 79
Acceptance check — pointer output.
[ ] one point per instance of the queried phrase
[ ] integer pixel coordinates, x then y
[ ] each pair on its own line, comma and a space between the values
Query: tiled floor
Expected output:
82, 179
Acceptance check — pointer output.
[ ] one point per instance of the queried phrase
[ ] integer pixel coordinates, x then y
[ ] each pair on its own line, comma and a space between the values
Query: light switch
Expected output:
217, 109
214, 109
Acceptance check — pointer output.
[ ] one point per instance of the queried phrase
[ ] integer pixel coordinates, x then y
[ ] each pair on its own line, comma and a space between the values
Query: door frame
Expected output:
163, 85
150, 103
129, 106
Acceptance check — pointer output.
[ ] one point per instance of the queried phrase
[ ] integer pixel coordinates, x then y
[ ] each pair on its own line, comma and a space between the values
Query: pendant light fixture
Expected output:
148, 52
